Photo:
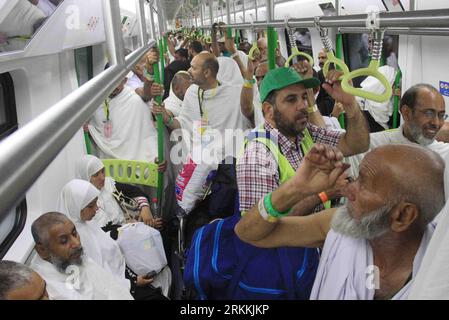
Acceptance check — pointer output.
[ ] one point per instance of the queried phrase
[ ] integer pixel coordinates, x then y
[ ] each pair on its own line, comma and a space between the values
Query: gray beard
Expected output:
373, 225
62, 265
417, 135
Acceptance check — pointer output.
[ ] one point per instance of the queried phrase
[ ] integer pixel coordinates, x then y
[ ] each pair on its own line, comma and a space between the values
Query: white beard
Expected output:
372, 225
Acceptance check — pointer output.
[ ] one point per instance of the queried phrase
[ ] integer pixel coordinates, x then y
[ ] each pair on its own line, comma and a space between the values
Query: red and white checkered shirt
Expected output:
257, 169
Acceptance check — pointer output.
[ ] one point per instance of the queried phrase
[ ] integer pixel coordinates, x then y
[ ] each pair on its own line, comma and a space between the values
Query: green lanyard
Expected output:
106, 109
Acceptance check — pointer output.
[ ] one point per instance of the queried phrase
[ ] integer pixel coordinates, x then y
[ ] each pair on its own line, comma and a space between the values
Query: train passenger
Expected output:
423, 110
179, 85
284, 96
374, 245
19, 282
122, 127
61, 263
213, 108
110, 214
78, 201
195, 47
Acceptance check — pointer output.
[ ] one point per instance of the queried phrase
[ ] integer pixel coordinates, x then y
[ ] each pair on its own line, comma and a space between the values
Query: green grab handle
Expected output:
372, 71
331, 58
254, 49
160, 141
295, 53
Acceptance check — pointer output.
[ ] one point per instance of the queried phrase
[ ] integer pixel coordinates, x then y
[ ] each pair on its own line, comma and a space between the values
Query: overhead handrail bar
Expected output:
434, 18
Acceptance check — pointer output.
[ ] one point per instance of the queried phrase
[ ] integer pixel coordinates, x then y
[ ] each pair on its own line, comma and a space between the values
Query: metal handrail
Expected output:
27, 152
435, 18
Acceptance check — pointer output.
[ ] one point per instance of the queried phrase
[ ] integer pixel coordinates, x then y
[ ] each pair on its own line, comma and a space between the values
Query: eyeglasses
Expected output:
431, 114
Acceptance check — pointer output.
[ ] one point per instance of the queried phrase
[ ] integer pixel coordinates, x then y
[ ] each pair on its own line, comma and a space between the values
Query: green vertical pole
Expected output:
272, 43
237, 37
162, 59
165, 45
158, 78
339, 55
396, 99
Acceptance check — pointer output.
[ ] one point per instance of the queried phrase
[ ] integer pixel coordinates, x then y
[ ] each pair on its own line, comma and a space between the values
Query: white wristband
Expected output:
264, 214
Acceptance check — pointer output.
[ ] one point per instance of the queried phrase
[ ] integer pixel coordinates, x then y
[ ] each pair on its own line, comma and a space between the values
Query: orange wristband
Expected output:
323, 197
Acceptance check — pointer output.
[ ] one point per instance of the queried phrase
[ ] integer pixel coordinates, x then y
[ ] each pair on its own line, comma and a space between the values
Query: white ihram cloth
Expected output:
395, 136
97, 245
221, 107
173, 103
343, 272
85, 282
46, 6
229, 73
108, 208
380, 111
134, 136
432, 281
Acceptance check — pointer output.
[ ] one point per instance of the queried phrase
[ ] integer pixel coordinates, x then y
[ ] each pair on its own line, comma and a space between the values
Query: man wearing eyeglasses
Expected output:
423, 111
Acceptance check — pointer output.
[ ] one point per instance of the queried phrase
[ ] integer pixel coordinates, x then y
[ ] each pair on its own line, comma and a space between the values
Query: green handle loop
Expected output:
337, 62
295, 53
254, 50
372, 71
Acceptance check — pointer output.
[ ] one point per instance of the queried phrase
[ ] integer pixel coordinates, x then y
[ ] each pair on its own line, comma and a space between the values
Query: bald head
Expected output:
180, 83
19, 282
209, 62
204, 70
398, 192
410, 173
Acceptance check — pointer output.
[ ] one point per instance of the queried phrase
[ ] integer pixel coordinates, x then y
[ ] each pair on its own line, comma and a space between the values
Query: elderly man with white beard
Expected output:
374, 245
60, 261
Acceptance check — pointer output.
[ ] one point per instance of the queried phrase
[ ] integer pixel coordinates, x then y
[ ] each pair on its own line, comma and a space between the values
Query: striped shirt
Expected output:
257, 169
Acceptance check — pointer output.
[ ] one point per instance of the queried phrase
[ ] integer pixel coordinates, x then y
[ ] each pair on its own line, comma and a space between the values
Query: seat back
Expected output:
131, 171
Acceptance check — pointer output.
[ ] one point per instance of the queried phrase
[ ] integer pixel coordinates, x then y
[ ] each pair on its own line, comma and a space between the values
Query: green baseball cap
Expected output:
283, 77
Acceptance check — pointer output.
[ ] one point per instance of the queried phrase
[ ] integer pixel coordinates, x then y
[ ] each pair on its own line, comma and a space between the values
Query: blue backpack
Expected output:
220, 266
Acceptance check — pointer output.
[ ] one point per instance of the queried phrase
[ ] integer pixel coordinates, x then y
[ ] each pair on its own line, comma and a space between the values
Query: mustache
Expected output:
77, 252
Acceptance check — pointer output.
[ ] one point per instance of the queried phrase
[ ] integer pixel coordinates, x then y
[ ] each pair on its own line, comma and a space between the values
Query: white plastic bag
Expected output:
142, 247
192, 184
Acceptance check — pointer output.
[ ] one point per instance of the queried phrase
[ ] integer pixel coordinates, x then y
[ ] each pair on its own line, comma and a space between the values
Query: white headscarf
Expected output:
74, 197
380, 111
108, 208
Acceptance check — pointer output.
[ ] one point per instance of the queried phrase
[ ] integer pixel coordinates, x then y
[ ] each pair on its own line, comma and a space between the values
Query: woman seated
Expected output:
111, 212
78, 201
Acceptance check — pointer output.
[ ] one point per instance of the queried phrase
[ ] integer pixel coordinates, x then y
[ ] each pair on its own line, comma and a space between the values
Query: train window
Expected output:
84, 65
8, 114
302, 39
11, 223
357, 52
